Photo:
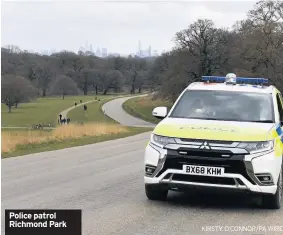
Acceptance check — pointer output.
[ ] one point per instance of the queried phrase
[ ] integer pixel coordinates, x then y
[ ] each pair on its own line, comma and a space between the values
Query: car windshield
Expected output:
225, 106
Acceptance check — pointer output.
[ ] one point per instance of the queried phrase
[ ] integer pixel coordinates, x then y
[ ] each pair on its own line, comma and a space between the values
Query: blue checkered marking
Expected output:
279, 132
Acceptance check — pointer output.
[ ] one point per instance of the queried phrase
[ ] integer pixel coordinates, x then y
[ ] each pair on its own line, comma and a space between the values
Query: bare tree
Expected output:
44, 74
112, 79
64, 85
88, 77
16, 89
206, 44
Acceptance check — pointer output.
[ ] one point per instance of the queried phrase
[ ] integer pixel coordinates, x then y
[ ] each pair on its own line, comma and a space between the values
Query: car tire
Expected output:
274, 201
155, 192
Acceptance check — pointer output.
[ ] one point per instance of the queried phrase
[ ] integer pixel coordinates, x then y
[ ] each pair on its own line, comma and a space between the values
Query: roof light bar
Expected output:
213, 79
252, 80
239, 80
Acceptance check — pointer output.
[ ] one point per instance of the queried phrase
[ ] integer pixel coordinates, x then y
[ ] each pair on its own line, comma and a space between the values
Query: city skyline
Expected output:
115, 26
89, 49
103, 51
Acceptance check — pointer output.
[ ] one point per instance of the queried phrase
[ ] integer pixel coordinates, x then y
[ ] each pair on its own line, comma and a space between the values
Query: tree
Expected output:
266, 31
87, 78
16, 89
133, 70
206, 44
44, 75
64, 85
112, 79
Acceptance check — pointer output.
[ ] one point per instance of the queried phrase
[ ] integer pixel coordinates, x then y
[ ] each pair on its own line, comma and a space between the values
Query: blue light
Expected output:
213, 79
252, 80
240, 80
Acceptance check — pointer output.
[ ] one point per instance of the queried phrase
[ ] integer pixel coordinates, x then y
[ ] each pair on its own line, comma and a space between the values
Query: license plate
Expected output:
203, 170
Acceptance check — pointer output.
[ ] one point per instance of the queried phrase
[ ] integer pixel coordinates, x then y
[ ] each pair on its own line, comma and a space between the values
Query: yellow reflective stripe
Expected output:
213, 132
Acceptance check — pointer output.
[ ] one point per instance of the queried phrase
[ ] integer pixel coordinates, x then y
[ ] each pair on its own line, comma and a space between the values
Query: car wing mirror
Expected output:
160, 112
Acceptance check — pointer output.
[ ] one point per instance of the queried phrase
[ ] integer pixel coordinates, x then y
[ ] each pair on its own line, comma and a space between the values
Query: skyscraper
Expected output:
104, 52
140, 49
98, 53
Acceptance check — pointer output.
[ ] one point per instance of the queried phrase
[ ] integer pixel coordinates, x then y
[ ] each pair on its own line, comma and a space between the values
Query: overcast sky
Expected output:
66, 25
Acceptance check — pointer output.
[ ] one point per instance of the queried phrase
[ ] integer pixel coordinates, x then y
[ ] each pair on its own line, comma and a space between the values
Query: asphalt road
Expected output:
105, 180
114, 110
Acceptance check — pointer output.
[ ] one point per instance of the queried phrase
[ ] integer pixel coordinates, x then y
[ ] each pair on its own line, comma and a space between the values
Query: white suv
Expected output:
223, 133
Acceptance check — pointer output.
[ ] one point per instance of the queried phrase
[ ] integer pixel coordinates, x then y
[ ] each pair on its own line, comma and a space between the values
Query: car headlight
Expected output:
162, 140
254, 147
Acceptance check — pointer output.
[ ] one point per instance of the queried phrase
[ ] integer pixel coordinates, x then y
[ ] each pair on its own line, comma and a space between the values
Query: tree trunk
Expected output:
140, 88
96, 89
16, 105
43, 92
85, 88
105, 91
10, 108
133, 88
63, 96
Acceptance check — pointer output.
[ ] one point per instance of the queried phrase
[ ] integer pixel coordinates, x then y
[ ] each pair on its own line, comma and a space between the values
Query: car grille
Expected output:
215, 153
235, 164
208, 141
204, 179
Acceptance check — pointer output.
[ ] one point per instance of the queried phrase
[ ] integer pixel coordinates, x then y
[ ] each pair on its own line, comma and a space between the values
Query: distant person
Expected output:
60, 119
85, 107
76, 104
64, 120
81, 101
68, 120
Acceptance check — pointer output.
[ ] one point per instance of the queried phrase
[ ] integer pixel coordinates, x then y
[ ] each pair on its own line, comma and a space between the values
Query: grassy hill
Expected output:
141, 107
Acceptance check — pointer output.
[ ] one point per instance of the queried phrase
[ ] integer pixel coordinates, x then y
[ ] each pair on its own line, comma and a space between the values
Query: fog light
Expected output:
265, 178
149, 170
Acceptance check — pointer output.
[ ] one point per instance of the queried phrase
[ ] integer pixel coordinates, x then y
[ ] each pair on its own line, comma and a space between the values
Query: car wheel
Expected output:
274, 201
155, 192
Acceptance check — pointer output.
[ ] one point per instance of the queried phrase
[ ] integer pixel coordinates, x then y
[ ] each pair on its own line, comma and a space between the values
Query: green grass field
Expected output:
16, 142
141, 107
43, 110
93, 113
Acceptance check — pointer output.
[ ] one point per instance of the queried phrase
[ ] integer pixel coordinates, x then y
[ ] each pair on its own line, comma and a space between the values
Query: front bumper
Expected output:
240, 170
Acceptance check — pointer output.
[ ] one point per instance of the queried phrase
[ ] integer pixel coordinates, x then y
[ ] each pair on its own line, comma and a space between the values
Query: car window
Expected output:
224, 105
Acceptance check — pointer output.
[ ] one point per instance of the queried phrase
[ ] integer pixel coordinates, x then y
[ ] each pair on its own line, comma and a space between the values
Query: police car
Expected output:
221, 133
